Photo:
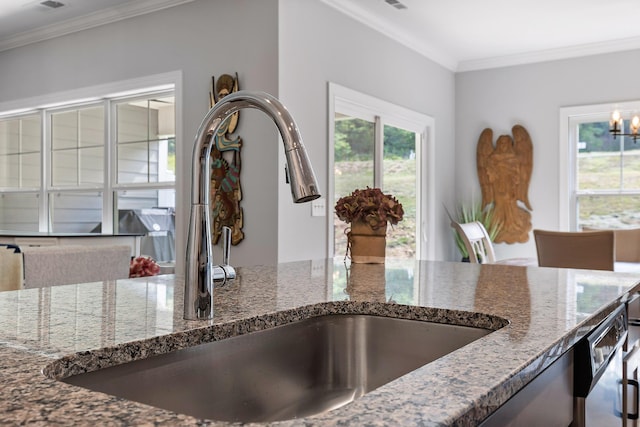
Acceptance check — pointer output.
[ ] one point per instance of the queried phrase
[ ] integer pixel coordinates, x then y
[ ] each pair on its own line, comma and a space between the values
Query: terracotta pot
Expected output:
367, 246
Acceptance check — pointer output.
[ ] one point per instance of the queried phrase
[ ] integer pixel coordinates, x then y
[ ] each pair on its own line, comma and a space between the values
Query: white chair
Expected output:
477, 241
480, 248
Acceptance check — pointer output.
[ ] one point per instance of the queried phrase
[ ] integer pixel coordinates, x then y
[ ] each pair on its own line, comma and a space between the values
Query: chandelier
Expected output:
616, 126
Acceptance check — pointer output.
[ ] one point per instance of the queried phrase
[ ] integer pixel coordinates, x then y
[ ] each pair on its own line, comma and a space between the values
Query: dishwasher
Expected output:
631, 364
599, 389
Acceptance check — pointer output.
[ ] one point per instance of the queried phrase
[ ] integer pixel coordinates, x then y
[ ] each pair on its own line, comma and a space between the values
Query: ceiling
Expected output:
458, 34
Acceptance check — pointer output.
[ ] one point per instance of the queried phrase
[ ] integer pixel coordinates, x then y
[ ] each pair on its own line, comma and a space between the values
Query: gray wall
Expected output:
320, 45
290, 48
202, 38
532, 95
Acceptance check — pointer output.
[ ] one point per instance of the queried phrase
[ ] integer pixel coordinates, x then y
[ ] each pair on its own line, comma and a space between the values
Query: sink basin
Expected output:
289, 371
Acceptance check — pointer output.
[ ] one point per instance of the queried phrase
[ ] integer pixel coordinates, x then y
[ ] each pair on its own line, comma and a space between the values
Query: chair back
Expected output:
592, 250
627, 243
477, 241
11, 268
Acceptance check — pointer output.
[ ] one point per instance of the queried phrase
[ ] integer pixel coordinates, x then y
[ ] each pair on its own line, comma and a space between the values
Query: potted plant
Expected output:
368, 212
474, 212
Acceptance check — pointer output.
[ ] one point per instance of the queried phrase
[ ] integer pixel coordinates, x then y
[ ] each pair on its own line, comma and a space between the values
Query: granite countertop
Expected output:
66, 329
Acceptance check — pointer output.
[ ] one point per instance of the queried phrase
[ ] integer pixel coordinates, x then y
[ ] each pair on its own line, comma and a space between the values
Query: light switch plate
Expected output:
317, 268
318, 207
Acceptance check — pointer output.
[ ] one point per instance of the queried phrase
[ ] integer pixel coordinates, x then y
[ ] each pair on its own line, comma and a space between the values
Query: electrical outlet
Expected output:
318, 207
317, 268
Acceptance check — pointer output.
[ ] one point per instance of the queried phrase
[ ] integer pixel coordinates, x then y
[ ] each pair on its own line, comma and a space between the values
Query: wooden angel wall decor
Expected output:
504, 173
226, 156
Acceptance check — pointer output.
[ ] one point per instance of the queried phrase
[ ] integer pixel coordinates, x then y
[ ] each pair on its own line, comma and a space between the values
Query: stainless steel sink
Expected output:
286, 372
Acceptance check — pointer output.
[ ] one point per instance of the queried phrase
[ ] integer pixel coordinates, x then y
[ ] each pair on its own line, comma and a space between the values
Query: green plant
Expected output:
371, 206
475, 212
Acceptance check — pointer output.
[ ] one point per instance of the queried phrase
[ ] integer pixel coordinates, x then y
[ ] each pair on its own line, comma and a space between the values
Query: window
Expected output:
377, 144
105, 166
603, 178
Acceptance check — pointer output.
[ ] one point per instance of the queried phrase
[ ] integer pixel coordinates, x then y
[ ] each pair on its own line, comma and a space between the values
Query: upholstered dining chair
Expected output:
627, 244
593, 250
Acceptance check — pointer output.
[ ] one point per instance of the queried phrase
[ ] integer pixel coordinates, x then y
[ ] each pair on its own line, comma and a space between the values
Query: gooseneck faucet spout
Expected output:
200, 271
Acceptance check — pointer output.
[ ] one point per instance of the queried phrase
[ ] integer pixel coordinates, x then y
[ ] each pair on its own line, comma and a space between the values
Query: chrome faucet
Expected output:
200, 272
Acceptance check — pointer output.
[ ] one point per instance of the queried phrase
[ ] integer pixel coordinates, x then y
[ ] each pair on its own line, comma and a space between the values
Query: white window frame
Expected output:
570, 117
382, 113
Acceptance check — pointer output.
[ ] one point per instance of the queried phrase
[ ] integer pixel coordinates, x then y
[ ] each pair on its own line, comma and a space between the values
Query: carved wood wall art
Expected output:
504, 173
226, 162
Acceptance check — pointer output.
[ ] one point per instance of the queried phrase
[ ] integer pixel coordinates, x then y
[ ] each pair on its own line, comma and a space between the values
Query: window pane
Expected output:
152, 214
133, 163
19, 211
64, 168
76, 212
91, 127
10, 170
133, 121
399, 171
353, 162
617, 211
599, 157
30, 170
91, 165
31, 134
9, 136
162, 123
64, 130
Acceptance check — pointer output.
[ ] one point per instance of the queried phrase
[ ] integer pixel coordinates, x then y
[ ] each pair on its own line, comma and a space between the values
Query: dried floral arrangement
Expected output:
371, 206
143, 266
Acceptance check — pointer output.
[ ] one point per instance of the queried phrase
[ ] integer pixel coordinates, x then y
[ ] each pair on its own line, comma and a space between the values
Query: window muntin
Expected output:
19, 211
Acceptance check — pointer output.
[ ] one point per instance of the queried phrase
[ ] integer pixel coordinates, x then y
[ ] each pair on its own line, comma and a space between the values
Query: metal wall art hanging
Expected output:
504, 173
226, 190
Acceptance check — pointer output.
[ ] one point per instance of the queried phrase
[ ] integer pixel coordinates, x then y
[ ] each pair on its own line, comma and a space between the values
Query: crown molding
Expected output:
453, 64
105, 16
370, 20
551, 54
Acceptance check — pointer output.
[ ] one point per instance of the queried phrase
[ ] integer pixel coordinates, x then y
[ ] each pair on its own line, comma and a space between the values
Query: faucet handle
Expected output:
226, 245
224, 273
